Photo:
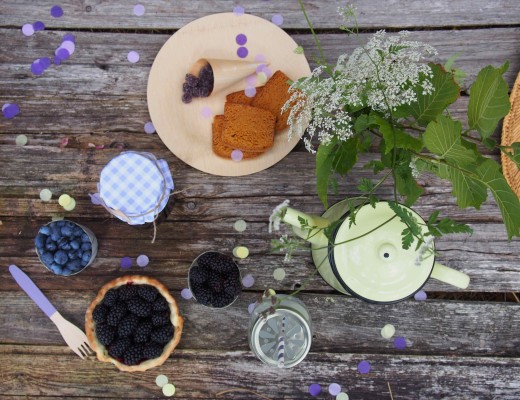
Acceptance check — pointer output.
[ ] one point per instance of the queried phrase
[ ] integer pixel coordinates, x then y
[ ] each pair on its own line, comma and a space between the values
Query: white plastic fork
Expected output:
74, 337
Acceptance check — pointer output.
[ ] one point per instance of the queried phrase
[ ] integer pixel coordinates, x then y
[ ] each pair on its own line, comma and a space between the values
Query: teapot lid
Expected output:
374, 266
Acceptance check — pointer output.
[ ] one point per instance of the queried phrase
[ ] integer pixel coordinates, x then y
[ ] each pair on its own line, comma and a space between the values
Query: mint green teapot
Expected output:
369, 262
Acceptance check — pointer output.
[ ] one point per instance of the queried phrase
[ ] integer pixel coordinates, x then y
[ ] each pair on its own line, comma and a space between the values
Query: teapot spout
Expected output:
312, 229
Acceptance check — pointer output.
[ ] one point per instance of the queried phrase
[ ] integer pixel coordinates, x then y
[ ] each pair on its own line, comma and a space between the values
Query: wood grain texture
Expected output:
169, 14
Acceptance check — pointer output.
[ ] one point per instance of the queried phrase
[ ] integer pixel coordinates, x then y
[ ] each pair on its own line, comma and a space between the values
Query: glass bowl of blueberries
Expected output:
65, 247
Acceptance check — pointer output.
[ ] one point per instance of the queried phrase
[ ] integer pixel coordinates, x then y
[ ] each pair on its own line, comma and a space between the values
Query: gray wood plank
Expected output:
203, 374
166, 14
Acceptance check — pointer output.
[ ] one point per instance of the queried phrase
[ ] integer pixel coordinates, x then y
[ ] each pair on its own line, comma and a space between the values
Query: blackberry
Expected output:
186, 88
133, 355
160, 304
100, 313
128, 325
128, 291
147, 292
118, 347
217, 285
152, 350
198, 274
218, 262
192, 80
232, 287
187, 97
204, 296
111, 297
160, 319
116, 313
105, 333
142, 333
139, 307
163, 334
223, 299
206, 259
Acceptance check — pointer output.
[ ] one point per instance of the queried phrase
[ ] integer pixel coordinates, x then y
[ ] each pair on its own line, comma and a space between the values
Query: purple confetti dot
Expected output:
94, 198
139, 10
251, 80
149, 128
5, 106
260, 68
420, 295
267, 71
237, 155
142, 260
260, 58
241, 39
126, 262
28, 30
45, 62
133, 56
186, 294
238, 11
11, 111
206, 112
315, 389
277, 19
56, 11
251, 307
400, 343
68, 45
57, 60
334, 389
248, 281
68, 37
37, 68
242, 52
363, 367
39, 26
62, 53
250, 91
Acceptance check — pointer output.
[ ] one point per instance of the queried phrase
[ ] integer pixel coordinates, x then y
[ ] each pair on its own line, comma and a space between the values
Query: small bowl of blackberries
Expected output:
214, 279
65, 247
198, 86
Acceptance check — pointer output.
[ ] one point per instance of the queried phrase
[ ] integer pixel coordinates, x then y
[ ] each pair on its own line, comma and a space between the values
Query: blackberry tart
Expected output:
134, 323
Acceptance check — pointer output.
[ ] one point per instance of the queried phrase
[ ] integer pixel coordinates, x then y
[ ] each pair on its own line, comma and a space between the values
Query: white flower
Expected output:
425, 247
276, 216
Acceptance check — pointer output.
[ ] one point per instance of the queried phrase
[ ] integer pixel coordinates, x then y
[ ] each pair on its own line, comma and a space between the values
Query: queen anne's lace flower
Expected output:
276, 216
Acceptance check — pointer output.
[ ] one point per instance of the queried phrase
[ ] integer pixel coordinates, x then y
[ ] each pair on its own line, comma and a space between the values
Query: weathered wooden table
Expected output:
462, 346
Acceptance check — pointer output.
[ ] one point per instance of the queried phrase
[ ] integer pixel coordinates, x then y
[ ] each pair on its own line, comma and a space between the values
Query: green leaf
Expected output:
345, 155
448, 225
468, 191
433, 217
488, 100
512, 152
402, 140
429, 106
443, 138
376, 165
413, 229
366, 185
324, 160
458, 74
406, 184
489, 143
361, 123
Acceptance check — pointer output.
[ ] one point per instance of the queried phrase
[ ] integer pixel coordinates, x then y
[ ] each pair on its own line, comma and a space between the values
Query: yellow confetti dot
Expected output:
342, 396
240, 225
279, 274
21, 140
71, 205
388, 331
241, 252
298, 50
261, 77
161, 380
64, 200
168, 390
45, 195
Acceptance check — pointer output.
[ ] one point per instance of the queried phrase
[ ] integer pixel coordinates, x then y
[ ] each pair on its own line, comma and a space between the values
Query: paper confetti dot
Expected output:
279, 274
251, 80
241, 252
10, 111
28, 29
237, 155
334, 389
126, 262
250, 91
251, 307
315, 389
70, 206
56, 11
388, 331
38, 26
142, 260
161, 380
242, 52
94, 198
45, 195
248, 281
149, 128
206, 112
133, 56
238, 11
168, 390
62, 53
342, 396
262, 78
277, 19
64, 200
363, 367
45, 62
266, 70
298, 50
68, 36
241, 39
37, 68
139, 10
68, 45
186, 294
21, 140
400, 343
260, 58
420, 295
240, 225
5, 106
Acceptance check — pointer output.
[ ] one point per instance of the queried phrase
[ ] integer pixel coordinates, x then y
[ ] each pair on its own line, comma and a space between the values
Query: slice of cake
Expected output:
248, 128
241, 98
273, 96
221, 149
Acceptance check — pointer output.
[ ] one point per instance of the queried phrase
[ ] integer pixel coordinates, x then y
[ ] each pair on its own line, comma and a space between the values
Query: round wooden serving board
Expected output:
182, 127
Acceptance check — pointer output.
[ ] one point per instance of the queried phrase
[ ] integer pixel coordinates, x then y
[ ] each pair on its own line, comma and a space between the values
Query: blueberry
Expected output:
72, 254
55, 234
57, 269
75, 244
40, 240
84, 263
85, 238
66, 231
79, 253
186, 98
60, 257
65, 247
47, 258
86, 256
70, 224
77, 231
86, 246
51, 246
45, 230
66, 272
74, 265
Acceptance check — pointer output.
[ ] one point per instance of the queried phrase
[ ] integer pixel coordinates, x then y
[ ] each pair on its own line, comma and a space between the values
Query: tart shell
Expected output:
175, 318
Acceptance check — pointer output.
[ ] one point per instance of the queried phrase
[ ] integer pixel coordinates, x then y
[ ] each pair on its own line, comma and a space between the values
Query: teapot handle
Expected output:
450, 276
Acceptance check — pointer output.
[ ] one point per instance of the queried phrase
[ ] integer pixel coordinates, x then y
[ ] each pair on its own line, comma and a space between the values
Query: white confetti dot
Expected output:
240, 225
168, 390
45, 195
142, 260
279, 274
21, 140
161, 380
388, 331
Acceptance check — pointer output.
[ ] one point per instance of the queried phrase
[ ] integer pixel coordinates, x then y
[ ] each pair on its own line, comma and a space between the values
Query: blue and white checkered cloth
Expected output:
134, 183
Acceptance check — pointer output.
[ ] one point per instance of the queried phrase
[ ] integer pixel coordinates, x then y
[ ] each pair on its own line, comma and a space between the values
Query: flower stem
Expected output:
322, 55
